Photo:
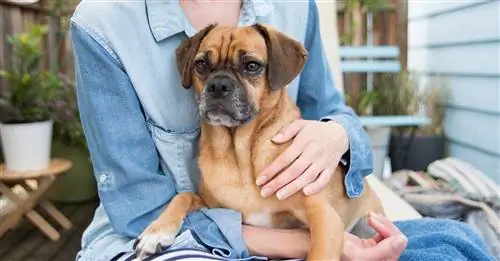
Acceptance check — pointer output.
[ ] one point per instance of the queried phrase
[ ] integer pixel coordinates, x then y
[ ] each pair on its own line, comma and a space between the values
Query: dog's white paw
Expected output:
155, 239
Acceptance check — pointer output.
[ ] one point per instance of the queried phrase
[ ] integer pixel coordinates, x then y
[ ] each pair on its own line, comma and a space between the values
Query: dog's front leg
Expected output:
326, 231
162, 232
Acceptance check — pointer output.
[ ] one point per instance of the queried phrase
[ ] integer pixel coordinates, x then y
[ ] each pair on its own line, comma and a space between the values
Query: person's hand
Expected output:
309, 162
387, 245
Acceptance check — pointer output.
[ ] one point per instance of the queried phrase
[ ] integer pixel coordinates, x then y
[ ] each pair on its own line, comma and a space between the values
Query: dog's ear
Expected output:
286, 57
186, 52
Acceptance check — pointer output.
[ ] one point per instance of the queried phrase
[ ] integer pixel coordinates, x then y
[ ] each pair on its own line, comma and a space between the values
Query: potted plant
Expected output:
399, 95
28, 105
379, 136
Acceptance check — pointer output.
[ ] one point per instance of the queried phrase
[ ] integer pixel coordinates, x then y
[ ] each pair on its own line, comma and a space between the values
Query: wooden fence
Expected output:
389, 25
16, 18
389, 28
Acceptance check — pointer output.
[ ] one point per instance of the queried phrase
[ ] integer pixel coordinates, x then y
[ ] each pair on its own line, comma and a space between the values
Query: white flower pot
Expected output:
26, 146
379, 137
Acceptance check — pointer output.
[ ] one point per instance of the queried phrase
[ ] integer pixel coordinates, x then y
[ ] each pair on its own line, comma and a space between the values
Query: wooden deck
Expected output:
27, 243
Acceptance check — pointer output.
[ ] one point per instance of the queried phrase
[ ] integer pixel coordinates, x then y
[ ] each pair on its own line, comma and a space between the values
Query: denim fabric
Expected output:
142, 127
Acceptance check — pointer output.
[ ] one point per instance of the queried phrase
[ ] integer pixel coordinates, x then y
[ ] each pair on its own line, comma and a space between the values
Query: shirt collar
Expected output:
166, 17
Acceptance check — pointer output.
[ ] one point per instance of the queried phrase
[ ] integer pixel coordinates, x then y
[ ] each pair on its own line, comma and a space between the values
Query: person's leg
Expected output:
100, 242
442, 240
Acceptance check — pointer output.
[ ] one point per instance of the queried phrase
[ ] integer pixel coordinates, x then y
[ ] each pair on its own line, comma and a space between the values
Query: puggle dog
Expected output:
239, 75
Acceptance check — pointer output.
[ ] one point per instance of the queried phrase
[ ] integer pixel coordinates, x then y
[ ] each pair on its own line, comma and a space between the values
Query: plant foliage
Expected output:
400, 94
35, 94
32, 92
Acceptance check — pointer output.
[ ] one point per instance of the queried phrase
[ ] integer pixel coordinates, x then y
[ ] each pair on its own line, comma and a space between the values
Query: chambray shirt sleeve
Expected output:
132, 187
318, 99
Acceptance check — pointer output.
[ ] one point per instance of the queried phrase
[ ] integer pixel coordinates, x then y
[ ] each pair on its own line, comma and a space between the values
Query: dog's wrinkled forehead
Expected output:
224, 46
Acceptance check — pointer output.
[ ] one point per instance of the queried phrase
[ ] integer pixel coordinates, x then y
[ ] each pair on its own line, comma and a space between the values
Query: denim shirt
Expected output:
142, 127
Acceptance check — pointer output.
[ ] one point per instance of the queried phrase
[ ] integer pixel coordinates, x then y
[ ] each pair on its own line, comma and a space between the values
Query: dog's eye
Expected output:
201, 65
252, 67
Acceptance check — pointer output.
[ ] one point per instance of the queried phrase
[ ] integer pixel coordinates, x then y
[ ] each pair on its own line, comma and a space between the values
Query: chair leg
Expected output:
26, 206
51, 210
56, 214
10, 220
43, 225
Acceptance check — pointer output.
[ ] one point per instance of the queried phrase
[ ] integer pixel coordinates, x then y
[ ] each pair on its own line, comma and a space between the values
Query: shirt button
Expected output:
102, 178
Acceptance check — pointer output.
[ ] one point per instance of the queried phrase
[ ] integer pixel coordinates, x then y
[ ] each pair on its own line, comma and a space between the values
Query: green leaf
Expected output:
26, 79
4, 73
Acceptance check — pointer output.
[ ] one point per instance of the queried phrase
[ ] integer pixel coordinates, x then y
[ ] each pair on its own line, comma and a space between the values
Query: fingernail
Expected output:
282, 194
307, 191
398, 242
376, 216
265, 192
261, 180
376, 219
278, 136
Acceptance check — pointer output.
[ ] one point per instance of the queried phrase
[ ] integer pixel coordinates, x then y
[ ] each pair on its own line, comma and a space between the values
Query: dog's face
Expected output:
234, 70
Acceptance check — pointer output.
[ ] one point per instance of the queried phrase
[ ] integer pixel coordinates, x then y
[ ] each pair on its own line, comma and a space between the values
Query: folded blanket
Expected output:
454, 190
443, 240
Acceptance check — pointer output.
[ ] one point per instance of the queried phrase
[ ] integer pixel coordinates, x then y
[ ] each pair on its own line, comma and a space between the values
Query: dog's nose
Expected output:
220, 86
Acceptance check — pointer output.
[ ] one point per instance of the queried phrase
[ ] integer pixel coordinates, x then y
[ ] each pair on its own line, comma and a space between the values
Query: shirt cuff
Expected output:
358, 157
220, 231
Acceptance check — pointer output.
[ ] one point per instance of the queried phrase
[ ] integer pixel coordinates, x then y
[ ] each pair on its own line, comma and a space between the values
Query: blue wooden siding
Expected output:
460, 42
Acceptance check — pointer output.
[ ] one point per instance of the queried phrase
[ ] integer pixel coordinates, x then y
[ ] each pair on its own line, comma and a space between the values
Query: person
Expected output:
142, 130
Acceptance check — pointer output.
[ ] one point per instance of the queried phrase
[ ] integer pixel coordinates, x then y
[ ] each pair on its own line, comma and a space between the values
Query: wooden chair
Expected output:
34, 196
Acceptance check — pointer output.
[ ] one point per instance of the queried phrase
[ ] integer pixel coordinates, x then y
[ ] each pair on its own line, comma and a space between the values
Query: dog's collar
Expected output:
166, 17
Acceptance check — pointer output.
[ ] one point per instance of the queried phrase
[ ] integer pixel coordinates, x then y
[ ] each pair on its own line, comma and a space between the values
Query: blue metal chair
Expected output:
370, 65
379, 59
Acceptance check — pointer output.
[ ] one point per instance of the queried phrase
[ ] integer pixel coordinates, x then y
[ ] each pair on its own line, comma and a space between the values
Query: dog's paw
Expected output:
155, 239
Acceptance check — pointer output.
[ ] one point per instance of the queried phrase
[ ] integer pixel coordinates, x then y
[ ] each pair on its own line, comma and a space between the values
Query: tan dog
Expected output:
239, 75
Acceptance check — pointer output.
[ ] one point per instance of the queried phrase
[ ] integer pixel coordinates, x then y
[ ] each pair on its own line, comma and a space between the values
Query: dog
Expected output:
239, 75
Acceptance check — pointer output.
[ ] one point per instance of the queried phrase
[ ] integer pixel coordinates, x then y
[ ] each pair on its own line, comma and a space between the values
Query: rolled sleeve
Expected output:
220, 231
132, 186
318, 99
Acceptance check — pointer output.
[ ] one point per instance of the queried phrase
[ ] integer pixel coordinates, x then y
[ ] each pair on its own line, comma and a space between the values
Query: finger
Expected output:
376, 238
290, 173
387, 222
320, 183
308, 176
289, 131
379, 227
365, 242
282, 161
369, 242
382, 225
388, 249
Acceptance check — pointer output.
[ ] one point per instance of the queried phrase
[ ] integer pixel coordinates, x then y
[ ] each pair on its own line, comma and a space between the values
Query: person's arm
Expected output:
388, 243
132, 187
277, 243
318, 99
